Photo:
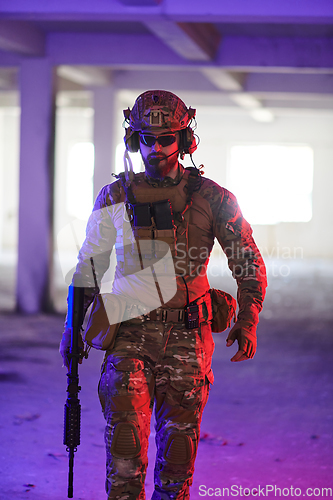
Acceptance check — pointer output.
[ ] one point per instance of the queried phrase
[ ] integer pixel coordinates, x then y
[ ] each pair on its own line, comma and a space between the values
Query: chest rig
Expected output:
160, 214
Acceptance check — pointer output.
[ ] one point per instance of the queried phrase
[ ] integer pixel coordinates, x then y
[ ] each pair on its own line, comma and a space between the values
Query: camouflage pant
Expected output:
168, 364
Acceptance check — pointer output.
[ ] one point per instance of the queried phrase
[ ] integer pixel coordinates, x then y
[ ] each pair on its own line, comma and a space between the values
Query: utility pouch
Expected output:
141, 214
105, 317
163, 215
224, 309
192, 316
160, 210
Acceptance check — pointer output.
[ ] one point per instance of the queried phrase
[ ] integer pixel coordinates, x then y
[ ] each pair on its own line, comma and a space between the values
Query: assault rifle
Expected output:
72, 421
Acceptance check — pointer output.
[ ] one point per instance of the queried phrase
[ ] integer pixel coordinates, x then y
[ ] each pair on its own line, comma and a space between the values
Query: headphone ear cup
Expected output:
193, 145
131, 140
187, 141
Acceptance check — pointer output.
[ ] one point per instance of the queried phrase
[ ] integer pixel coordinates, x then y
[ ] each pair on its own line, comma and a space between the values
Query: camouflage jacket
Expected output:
214, 213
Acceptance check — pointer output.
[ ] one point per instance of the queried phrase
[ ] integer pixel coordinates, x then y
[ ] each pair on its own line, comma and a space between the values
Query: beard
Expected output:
158, 165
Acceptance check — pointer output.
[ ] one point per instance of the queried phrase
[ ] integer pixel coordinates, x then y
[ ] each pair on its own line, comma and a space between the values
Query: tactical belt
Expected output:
166, 315
159, 314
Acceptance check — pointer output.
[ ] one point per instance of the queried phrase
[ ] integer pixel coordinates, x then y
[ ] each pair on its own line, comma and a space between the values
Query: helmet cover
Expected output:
158, 111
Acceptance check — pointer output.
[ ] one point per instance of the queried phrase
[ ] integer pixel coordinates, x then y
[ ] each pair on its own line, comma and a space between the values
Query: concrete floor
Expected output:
268, 422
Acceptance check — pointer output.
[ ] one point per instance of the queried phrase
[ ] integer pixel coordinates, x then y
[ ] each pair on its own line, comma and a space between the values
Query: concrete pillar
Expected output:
104, 136
35, 245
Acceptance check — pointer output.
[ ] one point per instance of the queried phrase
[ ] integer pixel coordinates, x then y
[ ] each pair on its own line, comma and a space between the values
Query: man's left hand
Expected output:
245, 334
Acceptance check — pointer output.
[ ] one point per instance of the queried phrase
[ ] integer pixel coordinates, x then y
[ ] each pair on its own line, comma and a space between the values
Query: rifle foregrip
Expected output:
72, 424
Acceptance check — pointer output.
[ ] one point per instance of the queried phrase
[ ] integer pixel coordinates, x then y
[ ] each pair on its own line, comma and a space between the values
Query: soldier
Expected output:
163, 348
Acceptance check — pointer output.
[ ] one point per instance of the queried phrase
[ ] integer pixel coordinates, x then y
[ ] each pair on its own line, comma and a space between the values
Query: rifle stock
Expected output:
72, 422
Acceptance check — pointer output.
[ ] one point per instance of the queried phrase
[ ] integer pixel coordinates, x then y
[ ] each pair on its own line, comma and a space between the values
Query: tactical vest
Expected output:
190, 237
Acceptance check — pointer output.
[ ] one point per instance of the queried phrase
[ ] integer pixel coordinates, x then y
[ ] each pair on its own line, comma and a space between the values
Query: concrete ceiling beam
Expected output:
85, 75
244, 53
192, 41
244, 11
171, 79
224, 80
235, 53
246, 101
114, 50
21, 37
290, 83
140, 3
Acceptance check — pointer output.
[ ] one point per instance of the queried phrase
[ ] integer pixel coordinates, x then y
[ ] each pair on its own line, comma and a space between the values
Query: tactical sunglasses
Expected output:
163, 140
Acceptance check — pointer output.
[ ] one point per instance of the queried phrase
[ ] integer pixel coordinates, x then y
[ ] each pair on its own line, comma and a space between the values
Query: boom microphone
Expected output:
156, 160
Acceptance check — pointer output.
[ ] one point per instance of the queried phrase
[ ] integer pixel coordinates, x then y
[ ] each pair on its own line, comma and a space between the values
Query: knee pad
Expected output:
125, 441
179, 449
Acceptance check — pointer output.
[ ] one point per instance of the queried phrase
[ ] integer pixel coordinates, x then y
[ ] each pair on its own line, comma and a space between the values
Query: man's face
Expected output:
160, 154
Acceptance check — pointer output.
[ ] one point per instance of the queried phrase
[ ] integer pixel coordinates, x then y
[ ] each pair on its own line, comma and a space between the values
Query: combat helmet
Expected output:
157, 112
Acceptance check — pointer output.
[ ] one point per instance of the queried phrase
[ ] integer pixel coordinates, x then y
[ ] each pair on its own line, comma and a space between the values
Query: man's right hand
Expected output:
65, 345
